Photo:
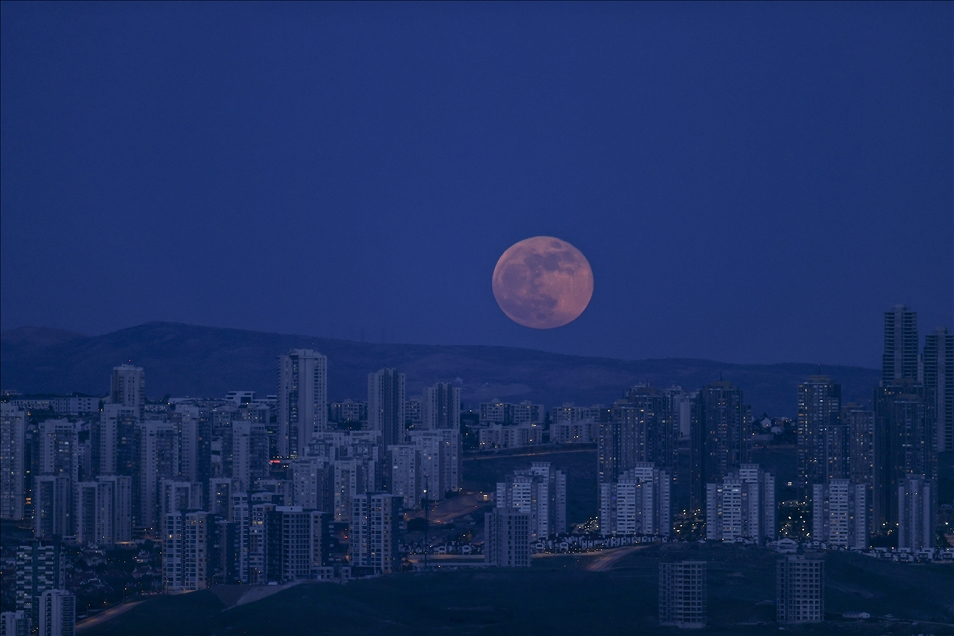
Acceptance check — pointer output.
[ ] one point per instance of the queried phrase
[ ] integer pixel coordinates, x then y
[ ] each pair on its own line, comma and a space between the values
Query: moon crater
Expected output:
543, 282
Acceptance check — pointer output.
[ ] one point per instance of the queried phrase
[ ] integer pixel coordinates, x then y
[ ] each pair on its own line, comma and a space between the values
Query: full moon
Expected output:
543, 282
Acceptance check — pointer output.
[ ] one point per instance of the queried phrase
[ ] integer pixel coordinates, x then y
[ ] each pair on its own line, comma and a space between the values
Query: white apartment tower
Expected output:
102, 510
14, 624
539, 492
742, 506
302, 400
185, 551
638, 503
39, 568
375, 523
840, 514
57, 613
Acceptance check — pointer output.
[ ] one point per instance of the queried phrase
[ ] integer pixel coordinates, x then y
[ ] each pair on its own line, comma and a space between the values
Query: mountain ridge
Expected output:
181, 359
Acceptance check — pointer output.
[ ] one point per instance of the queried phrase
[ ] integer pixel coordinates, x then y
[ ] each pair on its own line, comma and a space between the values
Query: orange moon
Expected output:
543, 282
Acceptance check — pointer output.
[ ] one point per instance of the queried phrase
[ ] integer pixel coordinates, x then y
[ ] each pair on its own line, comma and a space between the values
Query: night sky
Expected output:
750, 182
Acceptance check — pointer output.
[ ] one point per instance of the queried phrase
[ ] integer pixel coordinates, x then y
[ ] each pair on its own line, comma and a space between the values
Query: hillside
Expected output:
562, 595
207, 361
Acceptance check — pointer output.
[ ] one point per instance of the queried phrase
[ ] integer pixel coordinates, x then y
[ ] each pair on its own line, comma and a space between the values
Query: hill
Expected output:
562, 595
207, 361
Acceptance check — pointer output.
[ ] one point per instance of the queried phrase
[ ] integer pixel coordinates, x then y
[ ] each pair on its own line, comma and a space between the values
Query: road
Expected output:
607, 558
451, 509
106, 615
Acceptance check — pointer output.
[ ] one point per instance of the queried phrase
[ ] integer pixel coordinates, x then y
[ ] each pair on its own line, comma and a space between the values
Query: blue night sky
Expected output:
750, 182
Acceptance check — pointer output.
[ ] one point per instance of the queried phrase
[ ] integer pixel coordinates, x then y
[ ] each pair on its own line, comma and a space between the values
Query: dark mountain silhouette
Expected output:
206, 361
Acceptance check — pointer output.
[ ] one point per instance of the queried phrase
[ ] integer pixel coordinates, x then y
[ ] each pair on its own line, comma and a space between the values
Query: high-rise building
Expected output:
302, 400
800, 589
819, 405
295, 543
375, 529
639, 429
14, 624
249, 453
539, 491
57, 613
917, 506
939, 385
57, 442
656, 433
861, 467
39, 568
507, 538
178, 496
903, 445
900, 360
682, 594
12, 461
127, 387
440, 406
157, 447
185, 550
113, 441
53, 507
742, 506
102, 510
311, 484
386, 405
405, 482
439, 460
716, 440
639, 503
840, 514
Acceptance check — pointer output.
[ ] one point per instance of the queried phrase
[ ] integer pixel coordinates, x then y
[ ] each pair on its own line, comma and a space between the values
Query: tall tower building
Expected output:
639, 503
185, 559
157, 448
295, 541
800, 589
903, 445
840, 514
57, 613
12, 456
102, 512
375, 525
819, 405
900, 360
939, 385
386, 405
682, 594
53, 507
39, 568
716, 446
507, 543
14, 624
917, 503
127, 387
302, 400
742, 506
440, 406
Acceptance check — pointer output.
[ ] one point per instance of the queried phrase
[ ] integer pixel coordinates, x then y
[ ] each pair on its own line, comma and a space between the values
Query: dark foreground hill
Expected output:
206, 361
560, 595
